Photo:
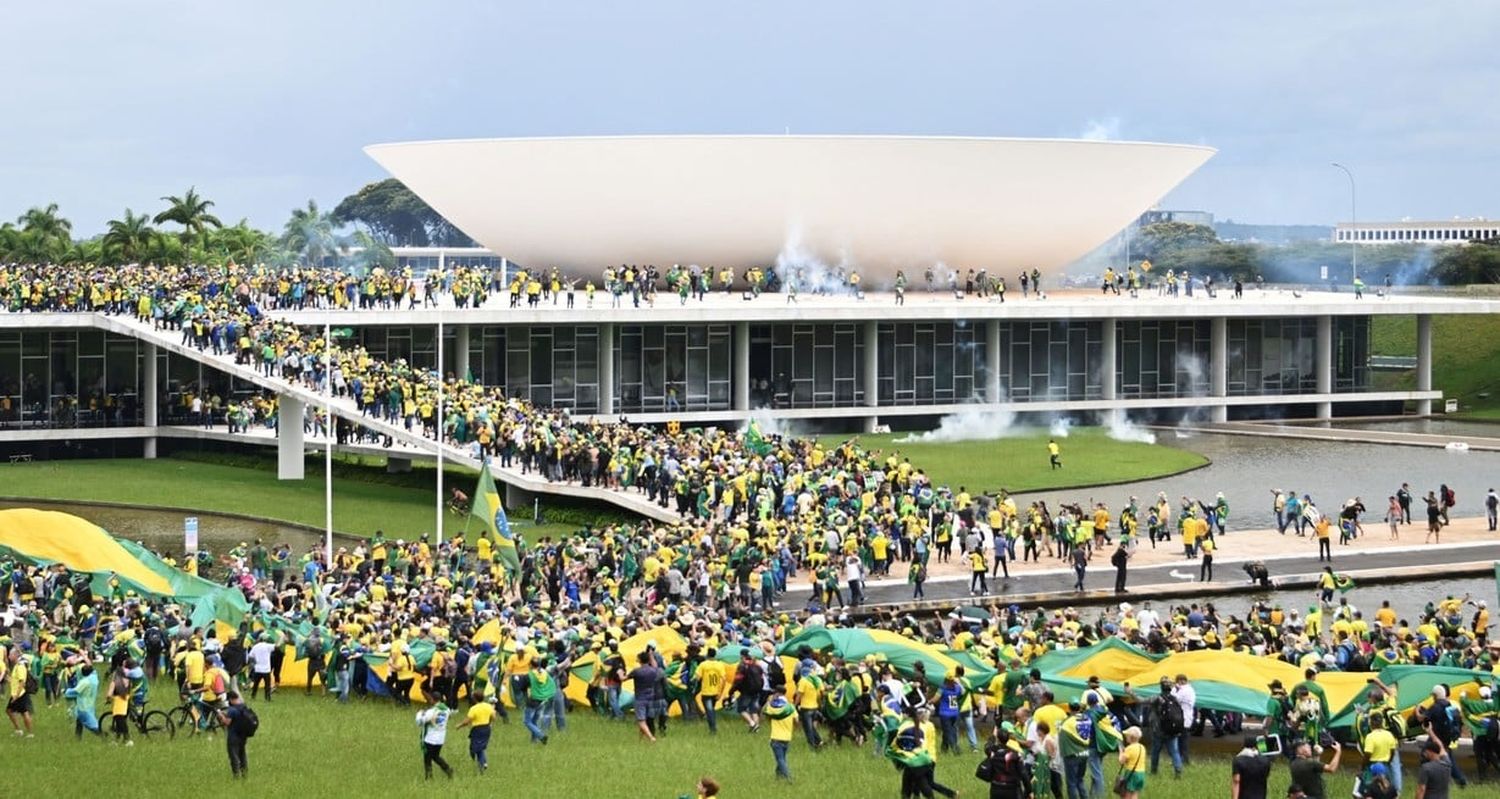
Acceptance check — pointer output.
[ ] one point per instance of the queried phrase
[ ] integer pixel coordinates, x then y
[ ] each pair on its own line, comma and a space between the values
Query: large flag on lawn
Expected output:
488, 508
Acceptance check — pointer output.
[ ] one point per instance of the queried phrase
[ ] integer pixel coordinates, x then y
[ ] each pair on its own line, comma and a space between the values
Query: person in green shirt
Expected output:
540, 690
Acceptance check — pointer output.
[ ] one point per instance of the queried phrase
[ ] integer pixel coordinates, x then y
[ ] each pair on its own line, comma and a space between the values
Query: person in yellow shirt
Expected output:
809, 698
483, 549
783, 718
119, 706
1133, 764
713, 683
480, 721
1206, 568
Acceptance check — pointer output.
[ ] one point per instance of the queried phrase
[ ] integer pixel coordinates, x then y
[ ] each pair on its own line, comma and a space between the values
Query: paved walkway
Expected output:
1272, 430
1466, 540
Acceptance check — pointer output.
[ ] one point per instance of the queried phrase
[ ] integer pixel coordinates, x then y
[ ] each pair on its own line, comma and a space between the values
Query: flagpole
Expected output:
440, 424
328, 447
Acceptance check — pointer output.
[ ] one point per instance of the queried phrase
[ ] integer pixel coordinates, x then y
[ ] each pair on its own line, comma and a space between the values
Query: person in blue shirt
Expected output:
949, 700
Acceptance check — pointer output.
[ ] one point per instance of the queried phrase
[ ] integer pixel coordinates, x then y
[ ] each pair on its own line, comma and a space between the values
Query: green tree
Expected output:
1468, 263
396, 216
242, 244
309, 234
1165, 239
191, 212
127, 240
46, 222
372, 252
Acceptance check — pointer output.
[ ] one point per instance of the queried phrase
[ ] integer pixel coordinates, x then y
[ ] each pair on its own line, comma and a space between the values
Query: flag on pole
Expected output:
491, 512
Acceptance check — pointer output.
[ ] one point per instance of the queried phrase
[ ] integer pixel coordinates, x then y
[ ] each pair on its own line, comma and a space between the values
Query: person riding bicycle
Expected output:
211, 694
459, 500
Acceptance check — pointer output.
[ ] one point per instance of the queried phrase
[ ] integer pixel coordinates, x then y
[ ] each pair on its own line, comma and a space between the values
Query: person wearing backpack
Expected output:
240, 725
313, 649
1167, 725
1003, 769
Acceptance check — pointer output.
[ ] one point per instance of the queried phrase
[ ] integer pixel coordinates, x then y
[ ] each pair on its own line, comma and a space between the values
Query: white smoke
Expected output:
812, 275
772, 425
966, 426
1106, 129
1060, 427
1198, 385
1120, 428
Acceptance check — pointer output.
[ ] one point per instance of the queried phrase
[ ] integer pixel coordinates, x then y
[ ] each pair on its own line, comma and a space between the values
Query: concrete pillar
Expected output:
519, 503
992, 361
148, 395
1218, 366
1109, 376
289, 443
1323, 366
742, 366
461, 351
1424, 361
607, 368
872, 372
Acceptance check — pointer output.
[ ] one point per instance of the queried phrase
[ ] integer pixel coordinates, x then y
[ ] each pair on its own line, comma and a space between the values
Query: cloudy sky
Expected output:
265, 104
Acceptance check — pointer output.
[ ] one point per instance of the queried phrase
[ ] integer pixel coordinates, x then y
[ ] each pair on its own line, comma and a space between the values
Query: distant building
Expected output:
1457, 231
1155, 215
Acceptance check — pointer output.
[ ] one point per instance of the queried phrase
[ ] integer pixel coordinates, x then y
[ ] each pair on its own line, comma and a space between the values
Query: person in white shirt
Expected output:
1188, 698
260, 665
1147, 618
434, 724
854, 572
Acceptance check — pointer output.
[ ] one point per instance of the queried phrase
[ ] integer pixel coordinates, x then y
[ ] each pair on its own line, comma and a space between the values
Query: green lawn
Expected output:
1019, 463
313, 747
364, 498
1465, 358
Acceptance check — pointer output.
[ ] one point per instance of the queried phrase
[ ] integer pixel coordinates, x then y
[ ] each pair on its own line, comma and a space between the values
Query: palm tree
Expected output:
190, 211
372, 252
46, 222
241, 243
309, 233
127, 240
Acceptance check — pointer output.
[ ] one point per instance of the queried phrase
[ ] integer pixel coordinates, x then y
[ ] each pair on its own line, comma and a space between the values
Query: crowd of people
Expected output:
67, 645
753, 512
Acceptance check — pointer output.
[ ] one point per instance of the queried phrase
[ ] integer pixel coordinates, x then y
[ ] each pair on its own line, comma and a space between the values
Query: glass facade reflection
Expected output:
660, 368
1272, 356
1041, 361
66, 378
1351, 354
930, 363
1163, 358
807, 365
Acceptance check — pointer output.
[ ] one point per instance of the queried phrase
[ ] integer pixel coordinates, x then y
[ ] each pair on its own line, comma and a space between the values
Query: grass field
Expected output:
1465, 358
1019, 463
313, 747
364, 498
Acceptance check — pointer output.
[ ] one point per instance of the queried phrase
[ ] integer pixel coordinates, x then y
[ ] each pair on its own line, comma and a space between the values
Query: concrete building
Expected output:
1456, 231
845, 362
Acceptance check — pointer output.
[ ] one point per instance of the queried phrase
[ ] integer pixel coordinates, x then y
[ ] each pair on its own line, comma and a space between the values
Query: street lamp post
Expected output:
1353, 224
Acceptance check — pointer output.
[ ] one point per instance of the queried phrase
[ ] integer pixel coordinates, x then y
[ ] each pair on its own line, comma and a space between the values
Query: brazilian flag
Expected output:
488, 509
1344, 583
755, 442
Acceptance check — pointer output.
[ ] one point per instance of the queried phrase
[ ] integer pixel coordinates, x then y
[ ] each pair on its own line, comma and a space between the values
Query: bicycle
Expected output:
147, 722
181, 717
